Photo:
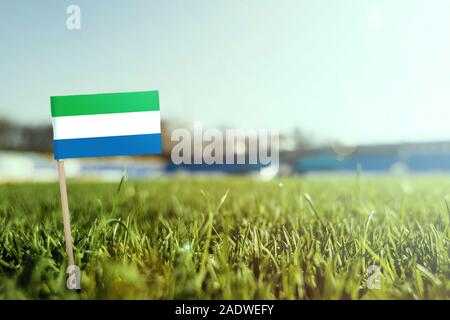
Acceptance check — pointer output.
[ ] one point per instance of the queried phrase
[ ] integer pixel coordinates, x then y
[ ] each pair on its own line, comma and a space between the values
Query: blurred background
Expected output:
350, 85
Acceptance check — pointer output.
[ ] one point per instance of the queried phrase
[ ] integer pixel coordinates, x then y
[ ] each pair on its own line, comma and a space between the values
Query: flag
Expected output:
100, 125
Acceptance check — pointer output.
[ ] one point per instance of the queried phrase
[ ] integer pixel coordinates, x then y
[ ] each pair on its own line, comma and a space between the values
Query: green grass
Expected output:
229, 238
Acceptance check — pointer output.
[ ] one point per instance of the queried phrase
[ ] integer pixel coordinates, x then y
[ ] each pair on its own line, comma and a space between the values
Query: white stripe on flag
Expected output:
106, 125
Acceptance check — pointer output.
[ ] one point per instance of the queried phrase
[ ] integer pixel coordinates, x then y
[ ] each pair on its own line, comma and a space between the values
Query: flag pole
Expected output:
65, 210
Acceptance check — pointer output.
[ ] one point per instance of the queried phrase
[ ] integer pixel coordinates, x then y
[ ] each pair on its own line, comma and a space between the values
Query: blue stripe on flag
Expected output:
108, 146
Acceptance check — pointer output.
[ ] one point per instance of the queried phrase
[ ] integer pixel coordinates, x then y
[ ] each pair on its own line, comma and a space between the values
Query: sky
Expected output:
351, 70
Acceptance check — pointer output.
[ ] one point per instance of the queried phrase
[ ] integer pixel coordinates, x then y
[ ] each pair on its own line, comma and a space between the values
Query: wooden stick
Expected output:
65, 210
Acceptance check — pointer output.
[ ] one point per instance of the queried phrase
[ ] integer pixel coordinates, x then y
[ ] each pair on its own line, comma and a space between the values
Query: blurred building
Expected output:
386, 158
31, 166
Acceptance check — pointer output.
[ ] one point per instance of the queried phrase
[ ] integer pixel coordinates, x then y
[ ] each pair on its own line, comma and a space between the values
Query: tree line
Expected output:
39, 138
21, 137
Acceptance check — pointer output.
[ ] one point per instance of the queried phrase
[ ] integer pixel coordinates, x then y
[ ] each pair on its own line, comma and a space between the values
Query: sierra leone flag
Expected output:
113, 124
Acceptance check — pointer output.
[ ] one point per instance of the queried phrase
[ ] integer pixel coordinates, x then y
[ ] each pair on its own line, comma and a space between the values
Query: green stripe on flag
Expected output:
104, 103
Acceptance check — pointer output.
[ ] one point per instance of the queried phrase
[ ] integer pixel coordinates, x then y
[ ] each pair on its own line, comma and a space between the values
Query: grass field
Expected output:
230, 238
